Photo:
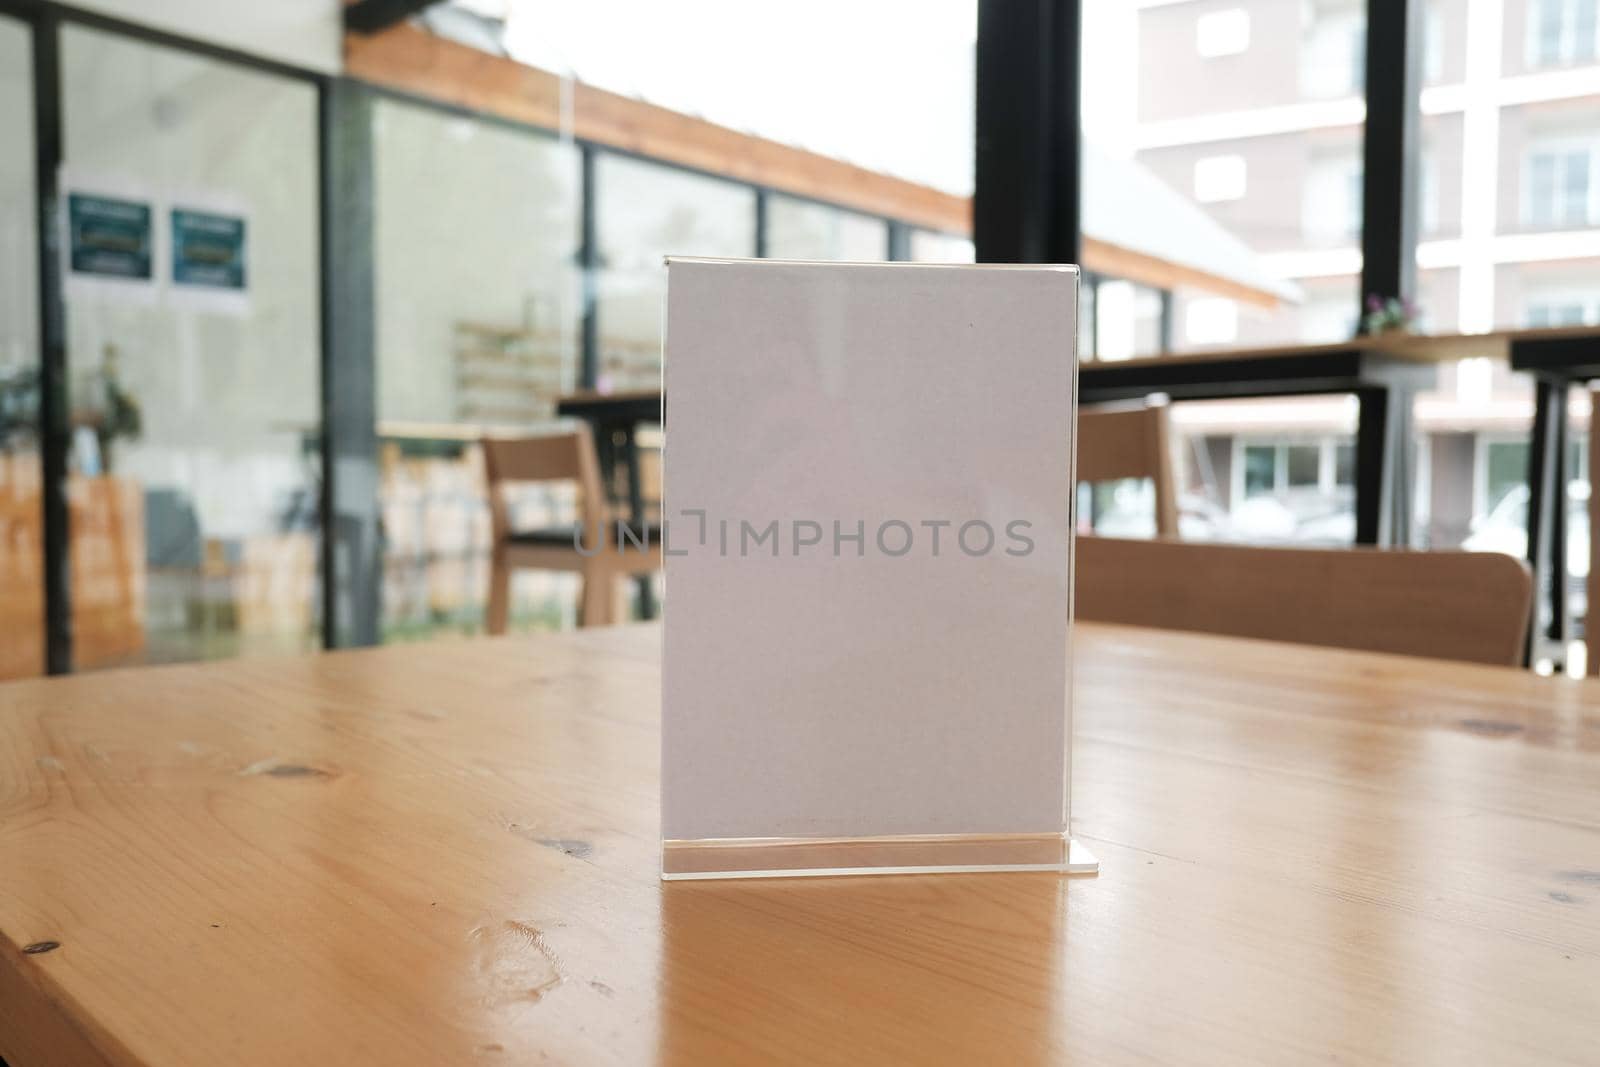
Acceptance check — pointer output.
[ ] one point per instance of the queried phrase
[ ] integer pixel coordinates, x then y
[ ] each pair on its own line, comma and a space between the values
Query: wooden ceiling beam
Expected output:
411, 60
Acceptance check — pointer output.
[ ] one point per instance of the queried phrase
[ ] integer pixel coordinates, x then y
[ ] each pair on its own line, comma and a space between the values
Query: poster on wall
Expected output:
109, 237
208, 242
208, 249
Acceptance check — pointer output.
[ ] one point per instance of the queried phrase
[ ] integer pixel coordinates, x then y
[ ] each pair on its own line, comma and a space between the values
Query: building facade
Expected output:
1254, 108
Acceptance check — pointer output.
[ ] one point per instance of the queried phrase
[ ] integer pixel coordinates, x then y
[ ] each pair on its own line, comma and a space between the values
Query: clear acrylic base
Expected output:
791, 857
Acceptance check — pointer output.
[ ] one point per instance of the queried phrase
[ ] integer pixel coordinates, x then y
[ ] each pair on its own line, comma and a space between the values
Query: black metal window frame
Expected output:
45, 20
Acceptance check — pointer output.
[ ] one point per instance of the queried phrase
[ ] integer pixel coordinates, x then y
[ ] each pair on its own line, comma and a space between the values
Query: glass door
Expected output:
189, 218
21, 532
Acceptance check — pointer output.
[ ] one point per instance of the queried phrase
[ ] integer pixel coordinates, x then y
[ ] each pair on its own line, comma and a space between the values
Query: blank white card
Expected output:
868, 479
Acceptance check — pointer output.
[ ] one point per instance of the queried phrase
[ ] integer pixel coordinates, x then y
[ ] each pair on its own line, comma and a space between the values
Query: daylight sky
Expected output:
886, 84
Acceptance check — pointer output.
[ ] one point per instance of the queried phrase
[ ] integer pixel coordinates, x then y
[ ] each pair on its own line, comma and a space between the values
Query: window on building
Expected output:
1561, 32
1303, 465
1505, 471
1332, 201
1335, 53
1211, 321
1222, 33
1572, 311
1344, 465
1558, 189
1260, 470
1219, 178
1428, 181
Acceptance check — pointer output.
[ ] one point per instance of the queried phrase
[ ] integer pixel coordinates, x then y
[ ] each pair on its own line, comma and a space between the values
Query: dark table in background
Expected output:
1383, 373
1557, 359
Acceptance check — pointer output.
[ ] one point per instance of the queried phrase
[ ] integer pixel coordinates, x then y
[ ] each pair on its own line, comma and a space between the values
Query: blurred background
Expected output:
419, 223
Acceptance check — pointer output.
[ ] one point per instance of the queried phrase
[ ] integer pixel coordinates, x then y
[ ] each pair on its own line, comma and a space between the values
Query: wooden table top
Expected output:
447, 854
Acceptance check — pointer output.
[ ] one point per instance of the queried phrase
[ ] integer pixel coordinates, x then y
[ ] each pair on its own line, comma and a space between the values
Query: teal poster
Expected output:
208, 249
109, 237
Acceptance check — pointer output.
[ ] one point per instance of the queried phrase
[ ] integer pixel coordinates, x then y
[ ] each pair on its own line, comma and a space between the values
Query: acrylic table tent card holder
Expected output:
868, 557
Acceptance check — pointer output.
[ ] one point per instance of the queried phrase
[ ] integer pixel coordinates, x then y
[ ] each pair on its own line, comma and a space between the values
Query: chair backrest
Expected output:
567, 457
1449, 605
1130, 442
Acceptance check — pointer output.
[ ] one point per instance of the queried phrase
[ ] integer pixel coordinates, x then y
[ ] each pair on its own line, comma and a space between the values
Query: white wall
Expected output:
305, 33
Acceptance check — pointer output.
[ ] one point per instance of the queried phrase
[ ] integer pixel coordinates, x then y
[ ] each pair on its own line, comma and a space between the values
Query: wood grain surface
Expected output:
447, 854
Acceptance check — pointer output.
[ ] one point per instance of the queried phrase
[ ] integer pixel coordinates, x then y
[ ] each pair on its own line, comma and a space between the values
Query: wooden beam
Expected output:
411, 60
1114, 261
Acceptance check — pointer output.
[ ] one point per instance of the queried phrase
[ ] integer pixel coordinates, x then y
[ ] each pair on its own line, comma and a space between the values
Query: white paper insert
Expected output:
886, 686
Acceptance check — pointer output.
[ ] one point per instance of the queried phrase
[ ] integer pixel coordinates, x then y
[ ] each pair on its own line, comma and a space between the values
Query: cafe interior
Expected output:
295, 296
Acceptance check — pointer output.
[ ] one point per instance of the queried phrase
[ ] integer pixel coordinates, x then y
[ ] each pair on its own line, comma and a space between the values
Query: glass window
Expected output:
1557, 192
1219, 178
930, 247
1561, 32
1294, 484
1505, 472
1333, 199
1260, 469
477, 288
22, 555
645, 212
1126, 318
1335, 48
1222, 33
1266, 146
193, 345
800, 229
1344, 465
1304, 465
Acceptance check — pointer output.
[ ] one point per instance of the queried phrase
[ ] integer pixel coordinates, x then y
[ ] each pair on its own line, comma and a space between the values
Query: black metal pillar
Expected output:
1392, 148
1551, 626
54, 404
899, 241
1372, 465
352, 550
1026, 194
763, 212
589, 266
1167, 329
1386, 452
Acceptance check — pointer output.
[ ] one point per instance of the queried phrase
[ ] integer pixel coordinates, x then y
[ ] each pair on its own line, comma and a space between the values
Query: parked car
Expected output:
1505, 529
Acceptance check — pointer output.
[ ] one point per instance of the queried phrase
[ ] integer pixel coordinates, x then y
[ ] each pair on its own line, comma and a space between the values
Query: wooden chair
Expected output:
560, 457
1131, 442
1449, 605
